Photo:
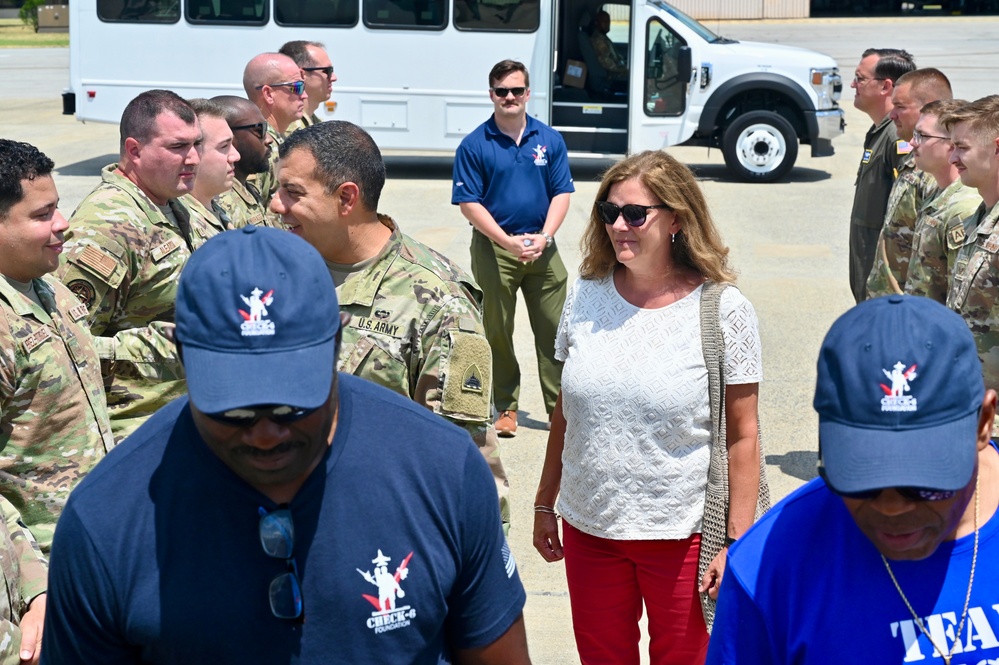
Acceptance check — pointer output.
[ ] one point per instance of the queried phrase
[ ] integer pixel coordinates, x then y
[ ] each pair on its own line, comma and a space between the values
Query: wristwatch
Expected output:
548, 239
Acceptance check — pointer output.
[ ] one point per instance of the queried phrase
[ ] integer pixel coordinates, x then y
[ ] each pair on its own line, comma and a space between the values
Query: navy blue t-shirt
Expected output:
805, 585
157, 557
515, 183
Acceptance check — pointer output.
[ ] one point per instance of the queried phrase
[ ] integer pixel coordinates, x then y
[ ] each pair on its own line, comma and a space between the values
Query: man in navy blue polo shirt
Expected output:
512, 183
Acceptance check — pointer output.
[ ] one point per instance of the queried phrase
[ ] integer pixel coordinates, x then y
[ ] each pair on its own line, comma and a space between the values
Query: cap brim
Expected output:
858, 459
219, 381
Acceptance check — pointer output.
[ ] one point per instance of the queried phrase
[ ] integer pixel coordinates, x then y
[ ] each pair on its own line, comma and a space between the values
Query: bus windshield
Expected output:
701, 31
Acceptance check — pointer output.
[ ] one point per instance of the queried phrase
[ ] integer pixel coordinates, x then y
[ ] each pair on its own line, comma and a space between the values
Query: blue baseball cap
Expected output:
898, 395
257, 316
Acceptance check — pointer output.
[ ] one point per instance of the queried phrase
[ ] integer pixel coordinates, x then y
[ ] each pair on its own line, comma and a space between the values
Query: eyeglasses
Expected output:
326, 71
251, 415
503, 92
918, 137
858, 79
297, 87
277, 537
258, 129
908, 493
634, 213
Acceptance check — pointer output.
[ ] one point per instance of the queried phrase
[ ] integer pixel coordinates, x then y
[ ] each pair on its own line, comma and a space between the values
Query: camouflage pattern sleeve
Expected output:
33, 566
891, 262
242, 206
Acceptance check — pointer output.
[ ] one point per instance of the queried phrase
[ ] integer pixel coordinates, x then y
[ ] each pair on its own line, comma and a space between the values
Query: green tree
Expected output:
29, 12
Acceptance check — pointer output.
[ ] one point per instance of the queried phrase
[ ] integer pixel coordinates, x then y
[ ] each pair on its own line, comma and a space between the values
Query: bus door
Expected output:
660, 83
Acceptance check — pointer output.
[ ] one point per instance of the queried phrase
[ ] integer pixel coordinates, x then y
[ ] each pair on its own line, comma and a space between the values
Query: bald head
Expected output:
270, 82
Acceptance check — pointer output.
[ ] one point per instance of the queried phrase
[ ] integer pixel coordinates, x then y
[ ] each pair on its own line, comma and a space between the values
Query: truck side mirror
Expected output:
684, 63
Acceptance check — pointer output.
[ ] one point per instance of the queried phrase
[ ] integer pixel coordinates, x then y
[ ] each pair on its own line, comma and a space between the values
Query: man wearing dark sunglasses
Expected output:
274, 82
892, 556
319, 77
512, 184
244, 202
282, 510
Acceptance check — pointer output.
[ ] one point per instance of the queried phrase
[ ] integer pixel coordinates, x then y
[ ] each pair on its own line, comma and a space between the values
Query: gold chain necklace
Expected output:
967, 599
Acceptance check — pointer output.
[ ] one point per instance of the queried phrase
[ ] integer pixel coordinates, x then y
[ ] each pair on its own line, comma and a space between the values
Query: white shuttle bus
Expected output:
414, 73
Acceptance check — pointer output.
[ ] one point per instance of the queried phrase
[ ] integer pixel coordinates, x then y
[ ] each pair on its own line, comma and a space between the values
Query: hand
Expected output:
546, 540
31, 631
712, 579
533, 251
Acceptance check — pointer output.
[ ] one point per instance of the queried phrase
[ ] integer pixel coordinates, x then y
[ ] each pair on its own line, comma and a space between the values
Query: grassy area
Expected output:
14, 34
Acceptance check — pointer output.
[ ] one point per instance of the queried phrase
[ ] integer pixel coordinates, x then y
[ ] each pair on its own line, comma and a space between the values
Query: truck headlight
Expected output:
827, 85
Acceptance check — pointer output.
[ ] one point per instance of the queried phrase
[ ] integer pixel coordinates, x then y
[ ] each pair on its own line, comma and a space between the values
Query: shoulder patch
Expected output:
78, 312
32, 341
472, 380
991, 243
866, 158
902, 147
84, 292
166, 248
957, 235
100, 262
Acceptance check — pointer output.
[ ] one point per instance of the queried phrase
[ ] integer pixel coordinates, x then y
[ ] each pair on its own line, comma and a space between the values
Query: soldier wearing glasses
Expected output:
512, 183
883, 154
282, 512
892, 556
319, 77
127, 243
275, 83
244, 202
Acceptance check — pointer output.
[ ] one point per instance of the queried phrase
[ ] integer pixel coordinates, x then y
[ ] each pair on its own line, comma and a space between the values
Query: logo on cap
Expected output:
253, 321
895, 398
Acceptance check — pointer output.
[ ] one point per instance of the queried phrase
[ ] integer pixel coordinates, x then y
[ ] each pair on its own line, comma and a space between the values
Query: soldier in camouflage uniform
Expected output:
22, 604
974, 131
128, 241
53, 419
319, 78
276, 85
948, 218
216, 172
244, 202
416, 325
912, 185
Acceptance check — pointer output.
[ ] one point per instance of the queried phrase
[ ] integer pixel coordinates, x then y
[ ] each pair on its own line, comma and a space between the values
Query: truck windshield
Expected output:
701, 31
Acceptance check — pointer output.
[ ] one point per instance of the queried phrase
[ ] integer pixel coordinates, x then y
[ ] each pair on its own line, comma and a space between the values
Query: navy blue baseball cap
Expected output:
257, 316
898, 395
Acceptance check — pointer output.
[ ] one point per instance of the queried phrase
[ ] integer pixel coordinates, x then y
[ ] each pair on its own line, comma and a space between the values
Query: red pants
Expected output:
608, 582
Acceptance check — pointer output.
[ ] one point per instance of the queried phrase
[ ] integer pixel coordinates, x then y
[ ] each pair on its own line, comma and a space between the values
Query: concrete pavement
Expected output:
788, 241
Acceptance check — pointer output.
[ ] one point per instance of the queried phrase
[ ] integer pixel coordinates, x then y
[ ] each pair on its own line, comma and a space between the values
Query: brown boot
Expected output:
506, 424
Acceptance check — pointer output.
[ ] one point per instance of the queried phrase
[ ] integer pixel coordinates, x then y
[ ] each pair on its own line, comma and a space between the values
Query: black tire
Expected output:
760, 146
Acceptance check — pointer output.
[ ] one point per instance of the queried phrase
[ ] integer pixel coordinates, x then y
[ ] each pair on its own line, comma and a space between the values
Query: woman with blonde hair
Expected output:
631, 436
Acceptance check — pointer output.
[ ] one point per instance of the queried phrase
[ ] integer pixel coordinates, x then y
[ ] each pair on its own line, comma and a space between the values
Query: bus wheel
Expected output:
760, 146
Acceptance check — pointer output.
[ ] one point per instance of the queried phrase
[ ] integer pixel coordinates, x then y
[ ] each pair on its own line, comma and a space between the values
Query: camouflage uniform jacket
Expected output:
975, 294
25, 571
944, 225
303, 122
53, 419
891, 263
242, 206
416, 328
122, 259
267, 182
210, 223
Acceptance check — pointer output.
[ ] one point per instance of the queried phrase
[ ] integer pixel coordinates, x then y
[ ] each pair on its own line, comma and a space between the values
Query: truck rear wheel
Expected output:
760, 146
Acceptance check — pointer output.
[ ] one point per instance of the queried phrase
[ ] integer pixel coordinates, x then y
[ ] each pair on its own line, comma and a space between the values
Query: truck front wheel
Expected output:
760, 146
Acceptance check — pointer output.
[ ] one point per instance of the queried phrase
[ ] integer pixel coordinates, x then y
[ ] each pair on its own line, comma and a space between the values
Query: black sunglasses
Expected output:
251, 415
634, 214
297, 87
277, 537
909, 493
503, 92
258, 129
327, 71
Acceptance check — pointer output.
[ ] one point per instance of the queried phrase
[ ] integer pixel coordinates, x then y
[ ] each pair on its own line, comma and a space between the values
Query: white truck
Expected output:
413, 72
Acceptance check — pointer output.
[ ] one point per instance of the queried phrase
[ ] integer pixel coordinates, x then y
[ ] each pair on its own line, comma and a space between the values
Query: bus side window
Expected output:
497, 15
327, 13
242, 12
419, 14
139, 11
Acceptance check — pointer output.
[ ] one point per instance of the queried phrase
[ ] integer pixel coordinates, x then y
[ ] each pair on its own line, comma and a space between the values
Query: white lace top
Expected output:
635, 398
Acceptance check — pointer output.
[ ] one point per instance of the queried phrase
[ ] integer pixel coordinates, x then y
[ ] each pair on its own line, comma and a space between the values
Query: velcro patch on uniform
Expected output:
84, 292
472, 379
166, 248
100, 262
902, 147
371, 325
33, 340
992, 243
468, 380
78, 312
956, 235
866, 158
